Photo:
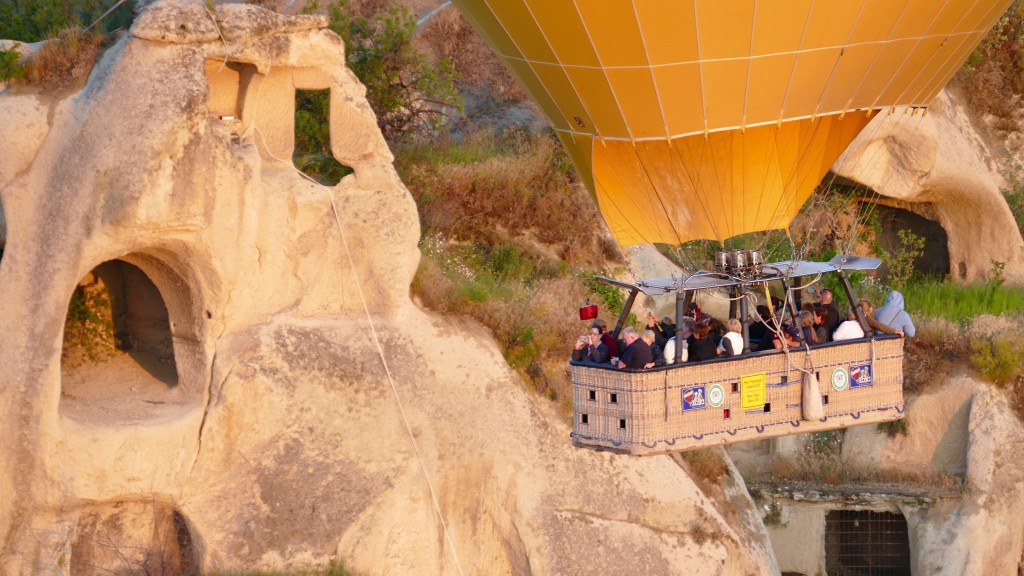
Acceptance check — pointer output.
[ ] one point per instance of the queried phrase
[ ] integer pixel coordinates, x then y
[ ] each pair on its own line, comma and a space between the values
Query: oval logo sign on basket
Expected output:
716, 395
840, 379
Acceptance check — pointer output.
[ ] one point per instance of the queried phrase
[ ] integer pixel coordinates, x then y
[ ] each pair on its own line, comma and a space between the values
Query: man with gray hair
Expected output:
637, 353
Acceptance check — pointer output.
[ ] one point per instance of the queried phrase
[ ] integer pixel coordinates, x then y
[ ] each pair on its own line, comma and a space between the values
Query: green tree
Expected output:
313, 154
34, 20
900, 260
408, 93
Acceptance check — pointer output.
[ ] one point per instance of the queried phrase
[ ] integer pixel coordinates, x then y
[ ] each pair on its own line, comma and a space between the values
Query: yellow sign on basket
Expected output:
752, 391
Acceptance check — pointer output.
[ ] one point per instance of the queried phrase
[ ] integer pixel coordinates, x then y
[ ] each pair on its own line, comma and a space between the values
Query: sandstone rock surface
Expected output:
936, 166
313, 412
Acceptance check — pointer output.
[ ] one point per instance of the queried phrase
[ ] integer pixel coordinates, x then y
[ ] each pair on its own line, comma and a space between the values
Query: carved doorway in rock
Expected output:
118, 361
866, 543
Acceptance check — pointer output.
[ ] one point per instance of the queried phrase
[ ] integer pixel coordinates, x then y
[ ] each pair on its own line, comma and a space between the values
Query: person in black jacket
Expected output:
637, 353
703, 346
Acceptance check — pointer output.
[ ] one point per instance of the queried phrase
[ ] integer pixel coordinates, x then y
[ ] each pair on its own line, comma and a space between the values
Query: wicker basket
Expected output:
730, 400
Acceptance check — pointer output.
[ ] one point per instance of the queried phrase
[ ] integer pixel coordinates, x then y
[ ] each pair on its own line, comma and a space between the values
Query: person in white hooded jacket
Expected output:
893, 314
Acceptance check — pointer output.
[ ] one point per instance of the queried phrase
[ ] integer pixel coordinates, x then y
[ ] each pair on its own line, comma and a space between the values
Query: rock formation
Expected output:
935, 165
311, 412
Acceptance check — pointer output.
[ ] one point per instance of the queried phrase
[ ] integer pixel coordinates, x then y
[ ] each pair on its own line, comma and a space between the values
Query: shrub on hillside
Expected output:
31, 21
490, 187
451, 37
409, 94
10, 65
992, 75
998, 358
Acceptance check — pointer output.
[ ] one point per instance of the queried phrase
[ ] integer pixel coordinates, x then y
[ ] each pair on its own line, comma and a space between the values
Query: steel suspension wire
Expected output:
380, 351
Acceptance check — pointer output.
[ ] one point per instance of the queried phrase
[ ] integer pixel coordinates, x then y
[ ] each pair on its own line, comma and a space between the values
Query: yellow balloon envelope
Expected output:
707, 119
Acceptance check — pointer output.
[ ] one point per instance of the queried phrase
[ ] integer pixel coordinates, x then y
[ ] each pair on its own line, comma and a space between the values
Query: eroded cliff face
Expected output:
938, 167
310, 412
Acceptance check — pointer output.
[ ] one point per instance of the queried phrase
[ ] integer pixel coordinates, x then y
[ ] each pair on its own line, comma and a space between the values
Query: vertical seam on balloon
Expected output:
768, 167
693, 184
622, 214
888, 38
978, 36
750, 62
700, 66
796, 61
746, 98
698, 190
657, 194
911, 51
835, 65
530, 62
782, 180
654, 80
604, 70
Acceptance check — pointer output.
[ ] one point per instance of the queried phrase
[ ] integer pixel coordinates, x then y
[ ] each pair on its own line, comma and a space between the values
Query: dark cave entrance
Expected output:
934, 261
866, 543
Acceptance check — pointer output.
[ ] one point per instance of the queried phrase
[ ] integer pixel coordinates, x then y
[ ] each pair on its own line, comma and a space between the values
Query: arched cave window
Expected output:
118, 357
312, 153
866, 543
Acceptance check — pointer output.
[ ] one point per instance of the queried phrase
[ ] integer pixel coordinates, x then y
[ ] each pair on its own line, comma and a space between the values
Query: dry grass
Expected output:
491, 188
707, 466
63, 59
449, 35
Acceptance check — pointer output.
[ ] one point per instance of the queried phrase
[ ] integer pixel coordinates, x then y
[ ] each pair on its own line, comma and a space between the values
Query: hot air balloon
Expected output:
716, 118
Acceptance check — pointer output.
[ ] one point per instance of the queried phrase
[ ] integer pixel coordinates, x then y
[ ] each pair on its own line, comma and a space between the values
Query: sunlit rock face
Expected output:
936, 165
274, 400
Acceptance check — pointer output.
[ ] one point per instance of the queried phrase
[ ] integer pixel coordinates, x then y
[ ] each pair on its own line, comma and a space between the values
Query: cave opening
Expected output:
866, 543
118, 359
133, 537
934, 258
312, 155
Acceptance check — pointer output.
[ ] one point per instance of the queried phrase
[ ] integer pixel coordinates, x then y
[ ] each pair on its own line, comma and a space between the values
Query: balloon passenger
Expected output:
589, 347
659, 360
637, 353
732, 342
869, 315
703, 346
850, 329
892, 314
670, 344
609, 341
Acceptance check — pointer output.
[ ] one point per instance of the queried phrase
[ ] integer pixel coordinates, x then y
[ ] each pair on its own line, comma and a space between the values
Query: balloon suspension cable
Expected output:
380, 351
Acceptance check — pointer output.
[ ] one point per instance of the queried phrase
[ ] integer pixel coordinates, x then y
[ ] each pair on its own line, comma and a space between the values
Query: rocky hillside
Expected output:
311, 411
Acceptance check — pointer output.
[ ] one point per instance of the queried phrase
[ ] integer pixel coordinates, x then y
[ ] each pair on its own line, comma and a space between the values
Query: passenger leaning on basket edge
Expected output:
637, 353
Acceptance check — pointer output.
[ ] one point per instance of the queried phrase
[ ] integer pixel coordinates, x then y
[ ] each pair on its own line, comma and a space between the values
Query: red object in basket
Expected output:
588, 312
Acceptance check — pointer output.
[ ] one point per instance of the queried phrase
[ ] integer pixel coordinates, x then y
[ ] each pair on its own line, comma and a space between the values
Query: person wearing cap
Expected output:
792, 335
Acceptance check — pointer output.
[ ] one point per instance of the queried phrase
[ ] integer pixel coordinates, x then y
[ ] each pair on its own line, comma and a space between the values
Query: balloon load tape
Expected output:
588, 311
